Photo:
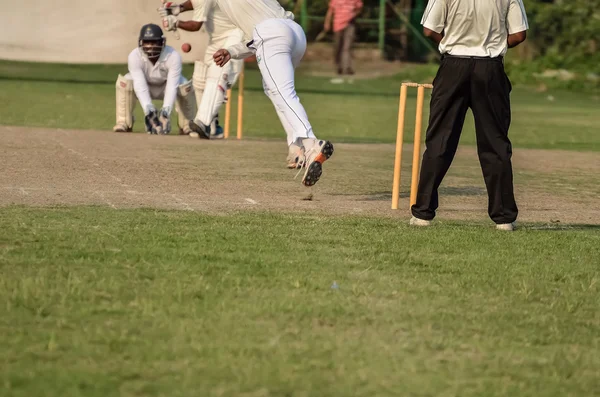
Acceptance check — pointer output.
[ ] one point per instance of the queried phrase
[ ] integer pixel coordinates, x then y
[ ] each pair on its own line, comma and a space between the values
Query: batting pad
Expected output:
214, 92
199, 79
186, 105
125, 101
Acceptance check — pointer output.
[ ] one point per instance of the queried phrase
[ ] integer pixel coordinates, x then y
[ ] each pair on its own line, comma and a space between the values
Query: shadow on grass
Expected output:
447, 191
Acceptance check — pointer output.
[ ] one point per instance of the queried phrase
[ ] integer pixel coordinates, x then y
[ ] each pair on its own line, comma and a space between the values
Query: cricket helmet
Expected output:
152, 41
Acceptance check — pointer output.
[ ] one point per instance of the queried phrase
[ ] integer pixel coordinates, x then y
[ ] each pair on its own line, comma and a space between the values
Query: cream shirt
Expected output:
216, 23
475, 27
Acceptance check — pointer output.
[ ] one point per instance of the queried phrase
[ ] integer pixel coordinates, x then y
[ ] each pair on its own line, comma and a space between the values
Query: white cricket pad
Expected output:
186, 105
125, 103
199, 79
215, 91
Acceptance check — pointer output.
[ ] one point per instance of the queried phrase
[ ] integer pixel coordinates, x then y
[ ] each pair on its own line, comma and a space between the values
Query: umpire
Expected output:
473, 36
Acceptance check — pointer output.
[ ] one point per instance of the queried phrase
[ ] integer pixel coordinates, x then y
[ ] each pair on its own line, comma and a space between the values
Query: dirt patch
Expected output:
47, 167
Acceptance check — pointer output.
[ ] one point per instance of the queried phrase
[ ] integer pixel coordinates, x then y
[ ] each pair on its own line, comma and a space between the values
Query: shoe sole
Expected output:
315, 169
197, 131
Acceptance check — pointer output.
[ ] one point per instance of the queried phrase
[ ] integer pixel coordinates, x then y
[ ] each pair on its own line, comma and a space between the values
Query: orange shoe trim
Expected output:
321, 158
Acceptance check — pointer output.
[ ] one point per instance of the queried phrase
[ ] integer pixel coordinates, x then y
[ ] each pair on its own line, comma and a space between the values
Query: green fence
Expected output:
378, 17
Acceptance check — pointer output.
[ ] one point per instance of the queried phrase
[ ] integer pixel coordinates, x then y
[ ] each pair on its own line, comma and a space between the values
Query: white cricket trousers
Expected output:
280, 45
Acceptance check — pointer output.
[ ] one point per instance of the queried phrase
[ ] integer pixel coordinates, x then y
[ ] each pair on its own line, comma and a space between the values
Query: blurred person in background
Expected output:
342, 14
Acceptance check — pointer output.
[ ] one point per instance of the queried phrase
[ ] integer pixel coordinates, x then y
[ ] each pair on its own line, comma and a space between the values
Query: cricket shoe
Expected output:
316, 153
216, 131
414, 221
295, 158
122, 128
199, 130
506, 227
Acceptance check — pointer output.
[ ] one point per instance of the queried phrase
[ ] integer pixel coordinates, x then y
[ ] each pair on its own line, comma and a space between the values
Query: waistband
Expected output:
498, 58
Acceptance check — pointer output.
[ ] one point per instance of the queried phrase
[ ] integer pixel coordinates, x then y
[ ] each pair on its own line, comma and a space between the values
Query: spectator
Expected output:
344, 13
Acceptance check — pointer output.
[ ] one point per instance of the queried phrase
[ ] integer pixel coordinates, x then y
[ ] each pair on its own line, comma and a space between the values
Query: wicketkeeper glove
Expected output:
170, 23
165, 120
153, 125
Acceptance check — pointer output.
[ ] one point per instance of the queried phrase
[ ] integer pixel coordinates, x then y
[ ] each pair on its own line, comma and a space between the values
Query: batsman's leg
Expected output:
199, 80
217, 81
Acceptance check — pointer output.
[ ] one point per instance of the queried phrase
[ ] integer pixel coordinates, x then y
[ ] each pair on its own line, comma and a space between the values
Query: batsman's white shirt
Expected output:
279, 44
221, 31
155, 81
216, 23
475, 27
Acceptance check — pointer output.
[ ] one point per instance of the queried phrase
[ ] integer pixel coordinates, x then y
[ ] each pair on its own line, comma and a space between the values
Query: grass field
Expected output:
366, 111
105, 291
142, 302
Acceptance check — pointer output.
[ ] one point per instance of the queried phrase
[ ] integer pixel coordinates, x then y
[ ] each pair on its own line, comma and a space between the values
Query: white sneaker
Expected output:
414, 221
295, 158
316, 152
506, 227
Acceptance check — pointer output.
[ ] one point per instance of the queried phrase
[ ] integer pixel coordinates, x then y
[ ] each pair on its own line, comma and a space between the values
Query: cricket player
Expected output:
279, 44
154, 73
211, 82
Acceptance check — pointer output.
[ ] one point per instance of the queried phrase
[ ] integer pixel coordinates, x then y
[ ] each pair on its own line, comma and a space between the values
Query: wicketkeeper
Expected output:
154, 73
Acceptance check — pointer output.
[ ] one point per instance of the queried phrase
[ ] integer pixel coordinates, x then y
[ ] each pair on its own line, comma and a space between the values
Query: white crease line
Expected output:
23, 191
253, 202
183, 203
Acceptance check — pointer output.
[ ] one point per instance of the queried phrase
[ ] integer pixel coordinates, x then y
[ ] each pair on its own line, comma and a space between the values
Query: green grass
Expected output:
98, 302
82, 97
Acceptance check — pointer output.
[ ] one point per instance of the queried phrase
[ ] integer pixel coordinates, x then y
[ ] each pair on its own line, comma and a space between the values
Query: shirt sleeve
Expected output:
173, 78
140, 85
201, 9
434, 17
240, 50
359, 4
516, 18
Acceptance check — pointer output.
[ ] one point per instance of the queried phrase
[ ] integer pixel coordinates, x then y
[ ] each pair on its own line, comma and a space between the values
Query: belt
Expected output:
498, 58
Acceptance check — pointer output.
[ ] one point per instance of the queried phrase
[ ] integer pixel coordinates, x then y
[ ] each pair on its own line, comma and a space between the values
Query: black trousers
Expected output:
482, 85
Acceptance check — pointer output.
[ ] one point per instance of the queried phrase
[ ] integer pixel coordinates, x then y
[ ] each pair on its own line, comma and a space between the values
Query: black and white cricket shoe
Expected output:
199, 130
